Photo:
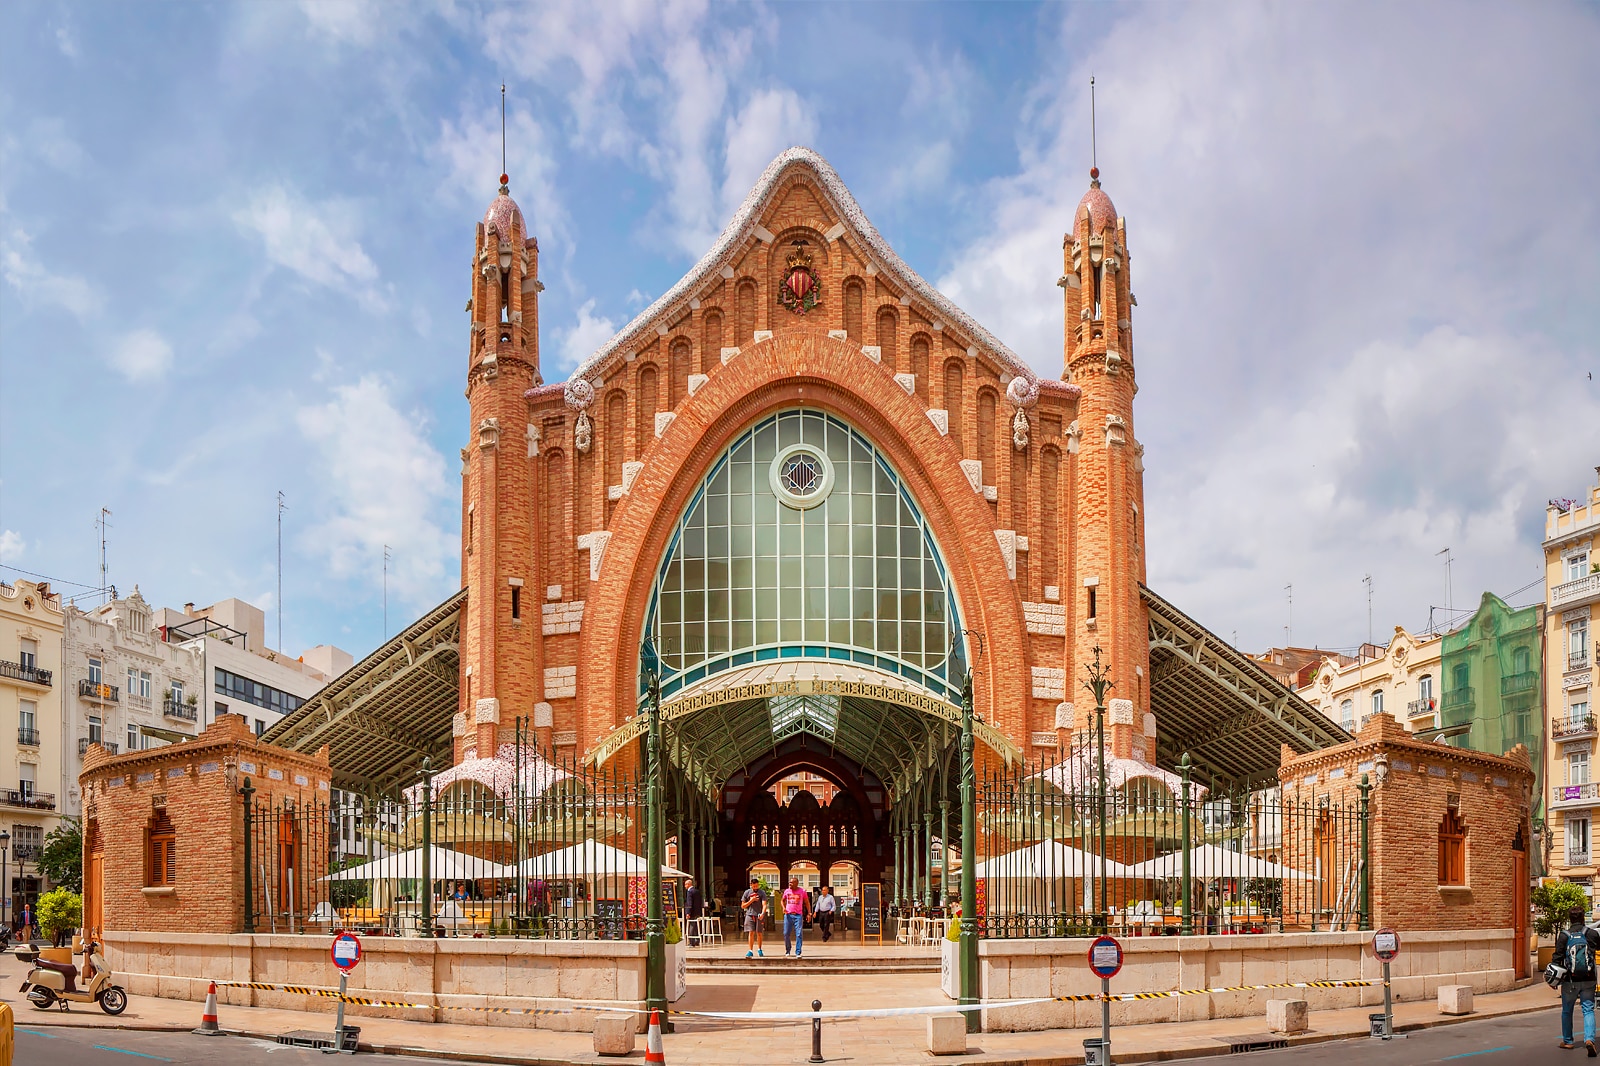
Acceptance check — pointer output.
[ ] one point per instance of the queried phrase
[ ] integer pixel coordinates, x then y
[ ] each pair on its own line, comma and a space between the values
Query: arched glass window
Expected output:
1347, 714
803, 542
1377, 701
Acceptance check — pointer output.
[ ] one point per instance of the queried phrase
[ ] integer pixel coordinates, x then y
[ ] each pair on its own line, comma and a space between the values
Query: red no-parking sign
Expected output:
1105, 957
346, 951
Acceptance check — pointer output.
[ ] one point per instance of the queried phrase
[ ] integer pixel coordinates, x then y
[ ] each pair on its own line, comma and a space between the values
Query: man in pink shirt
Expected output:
796, 909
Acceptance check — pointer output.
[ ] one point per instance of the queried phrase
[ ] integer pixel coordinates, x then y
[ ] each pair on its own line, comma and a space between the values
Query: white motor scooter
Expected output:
51, 984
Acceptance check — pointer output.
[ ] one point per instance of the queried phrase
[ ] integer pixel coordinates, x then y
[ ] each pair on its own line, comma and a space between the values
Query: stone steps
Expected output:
820, 964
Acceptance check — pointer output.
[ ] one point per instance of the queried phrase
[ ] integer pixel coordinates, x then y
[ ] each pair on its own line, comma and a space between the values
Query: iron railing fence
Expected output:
550, 848
1052, 861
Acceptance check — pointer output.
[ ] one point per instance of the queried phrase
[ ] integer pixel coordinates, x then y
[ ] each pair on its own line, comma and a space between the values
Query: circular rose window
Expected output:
801, 476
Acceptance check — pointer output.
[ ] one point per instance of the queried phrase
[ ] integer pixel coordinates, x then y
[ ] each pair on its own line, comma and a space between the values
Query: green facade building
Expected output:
1492, 695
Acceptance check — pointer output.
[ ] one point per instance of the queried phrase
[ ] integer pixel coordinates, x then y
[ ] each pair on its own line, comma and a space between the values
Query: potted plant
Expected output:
677, 969
1552, 900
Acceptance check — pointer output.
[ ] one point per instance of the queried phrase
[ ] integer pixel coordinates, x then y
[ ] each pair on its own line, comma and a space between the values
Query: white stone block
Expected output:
695, 381
560, 682
939, 418
1121, 712
1049, 682
947, 1034
1455, 999
873, 352
487, 710
614, 1034
1287, 1016
543, 716
838, 335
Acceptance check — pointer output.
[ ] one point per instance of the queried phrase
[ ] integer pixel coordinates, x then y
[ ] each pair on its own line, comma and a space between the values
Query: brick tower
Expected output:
499, 556
1108, 479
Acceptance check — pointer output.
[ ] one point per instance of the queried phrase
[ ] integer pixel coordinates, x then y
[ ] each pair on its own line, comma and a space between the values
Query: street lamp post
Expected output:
655, 974
1098, 685
5, 874
969, 859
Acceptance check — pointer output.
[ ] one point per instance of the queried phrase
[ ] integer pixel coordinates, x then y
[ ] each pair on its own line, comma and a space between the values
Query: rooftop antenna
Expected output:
103, 524
1289, 588
281, 508
1367, 578
385, 592
503, 175
1449, 585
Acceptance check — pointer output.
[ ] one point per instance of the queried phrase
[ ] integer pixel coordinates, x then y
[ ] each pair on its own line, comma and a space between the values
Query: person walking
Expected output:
827, 907
694, 905
755, 918
796, 909
1576, 946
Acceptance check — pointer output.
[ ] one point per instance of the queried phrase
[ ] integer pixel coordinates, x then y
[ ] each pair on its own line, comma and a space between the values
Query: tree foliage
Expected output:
60, 909
61, 858
1552, 901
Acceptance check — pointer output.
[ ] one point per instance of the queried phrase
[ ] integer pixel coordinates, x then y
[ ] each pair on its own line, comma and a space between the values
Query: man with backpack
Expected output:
1576, 947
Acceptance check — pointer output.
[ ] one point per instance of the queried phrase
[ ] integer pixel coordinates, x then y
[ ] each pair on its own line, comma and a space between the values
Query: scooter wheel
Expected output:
46, 998
113, 1000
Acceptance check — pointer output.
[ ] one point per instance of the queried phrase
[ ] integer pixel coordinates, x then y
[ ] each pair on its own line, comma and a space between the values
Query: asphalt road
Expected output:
64, 1046
1520, 1040
1523, 1040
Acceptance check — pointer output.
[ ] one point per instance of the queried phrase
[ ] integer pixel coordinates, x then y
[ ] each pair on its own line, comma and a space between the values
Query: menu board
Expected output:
872, 911
669, 898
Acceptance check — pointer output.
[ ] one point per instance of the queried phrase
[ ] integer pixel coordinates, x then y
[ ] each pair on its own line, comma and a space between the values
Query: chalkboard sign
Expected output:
609, 918
669, 897
872, 911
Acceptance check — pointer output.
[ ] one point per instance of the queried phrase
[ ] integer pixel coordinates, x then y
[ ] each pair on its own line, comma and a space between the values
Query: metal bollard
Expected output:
816, 1034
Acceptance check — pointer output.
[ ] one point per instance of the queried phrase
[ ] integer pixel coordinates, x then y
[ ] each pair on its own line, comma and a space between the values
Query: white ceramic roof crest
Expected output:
744, 223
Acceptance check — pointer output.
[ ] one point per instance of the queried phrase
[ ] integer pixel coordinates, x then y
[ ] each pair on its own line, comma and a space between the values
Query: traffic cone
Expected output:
208, 1020
652, 1040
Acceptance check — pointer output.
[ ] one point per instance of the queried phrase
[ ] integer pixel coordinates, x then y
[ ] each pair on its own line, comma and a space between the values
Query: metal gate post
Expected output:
969, 861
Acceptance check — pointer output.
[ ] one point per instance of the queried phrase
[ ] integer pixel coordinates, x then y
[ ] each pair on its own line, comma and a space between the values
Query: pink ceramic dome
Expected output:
504, 214
1101, 211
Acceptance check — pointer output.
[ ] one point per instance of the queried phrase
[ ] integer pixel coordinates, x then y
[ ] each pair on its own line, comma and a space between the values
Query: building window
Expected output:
1091, 609
175, 690
1578, 643
240, 687
1425, 687
30, 654
1577, 841
144, 683
27, 715
133, 738
1347, 715
516, 602
1577, 767
1577, 566
1579, 710
1377, 701
261, 727
25, 779
96, 672
162, 852
1452, 849
95, 735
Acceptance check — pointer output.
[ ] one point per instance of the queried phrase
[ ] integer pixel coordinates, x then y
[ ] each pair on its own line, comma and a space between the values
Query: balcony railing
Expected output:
97, 690
1573, 726
1461, 697
1578, 660
41, 801
27, 736
31, 674
1577, 858
84, 742
1418, 708
178, 709
1511, 684
1571, 592
1583, 795
26, 852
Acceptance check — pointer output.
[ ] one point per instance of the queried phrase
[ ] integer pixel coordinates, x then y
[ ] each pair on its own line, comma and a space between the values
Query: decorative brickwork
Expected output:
1416, 785
195, 786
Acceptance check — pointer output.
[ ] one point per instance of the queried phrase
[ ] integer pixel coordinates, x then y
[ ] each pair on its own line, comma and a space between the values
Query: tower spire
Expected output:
1094, 158
505, 179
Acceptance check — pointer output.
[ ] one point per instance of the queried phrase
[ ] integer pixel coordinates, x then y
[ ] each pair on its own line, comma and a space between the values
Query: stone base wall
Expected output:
1020, 969
438, 974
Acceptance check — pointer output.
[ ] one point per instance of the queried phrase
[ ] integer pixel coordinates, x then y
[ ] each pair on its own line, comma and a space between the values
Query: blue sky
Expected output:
235, 241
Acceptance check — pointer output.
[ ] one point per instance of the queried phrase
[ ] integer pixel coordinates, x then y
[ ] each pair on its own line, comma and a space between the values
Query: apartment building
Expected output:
1572, 595
125, 688
31, 684
243, 675
1401, 679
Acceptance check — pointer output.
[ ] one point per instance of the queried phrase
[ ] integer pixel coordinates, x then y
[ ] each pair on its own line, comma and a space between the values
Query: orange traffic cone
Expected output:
208, 1020
652, 1040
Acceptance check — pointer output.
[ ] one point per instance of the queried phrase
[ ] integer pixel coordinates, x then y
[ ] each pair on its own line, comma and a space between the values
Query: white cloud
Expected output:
316, 241
354, 22
142, 355
470, 150
11, 546
1357, 292
769, 122
381, 482
36, 283
579, 341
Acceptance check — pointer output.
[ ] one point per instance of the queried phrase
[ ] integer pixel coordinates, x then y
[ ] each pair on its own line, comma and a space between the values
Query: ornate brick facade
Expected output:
1032, 488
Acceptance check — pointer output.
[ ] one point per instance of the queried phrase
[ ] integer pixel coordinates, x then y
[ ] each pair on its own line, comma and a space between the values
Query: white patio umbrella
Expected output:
590, 858
1047, 860
1207, 862
445, 864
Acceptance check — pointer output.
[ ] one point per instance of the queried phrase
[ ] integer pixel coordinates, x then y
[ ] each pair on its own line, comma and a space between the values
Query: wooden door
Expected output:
1519, 903
94, 907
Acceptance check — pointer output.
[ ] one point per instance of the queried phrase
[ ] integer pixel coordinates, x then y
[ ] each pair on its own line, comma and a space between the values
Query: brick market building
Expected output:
809, 493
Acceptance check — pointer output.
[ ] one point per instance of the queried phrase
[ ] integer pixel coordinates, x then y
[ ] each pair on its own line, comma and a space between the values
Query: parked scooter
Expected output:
50, 984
